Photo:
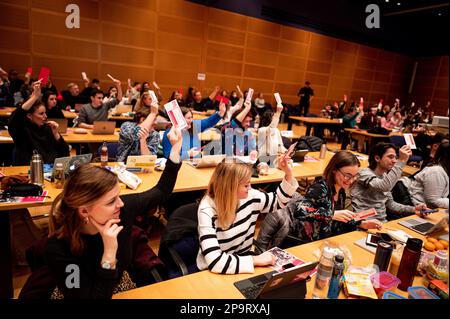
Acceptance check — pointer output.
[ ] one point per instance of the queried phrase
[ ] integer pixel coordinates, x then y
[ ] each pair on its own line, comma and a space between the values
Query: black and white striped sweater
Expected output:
228, 251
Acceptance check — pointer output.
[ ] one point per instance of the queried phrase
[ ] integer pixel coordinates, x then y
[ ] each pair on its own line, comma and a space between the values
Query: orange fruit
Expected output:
444, 243
431, 239
429, 246
439, 246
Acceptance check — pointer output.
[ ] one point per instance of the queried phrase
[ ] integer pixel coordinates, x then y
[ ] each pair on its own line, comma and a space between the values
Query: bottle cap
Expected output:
339, 258
327, 252
415, 244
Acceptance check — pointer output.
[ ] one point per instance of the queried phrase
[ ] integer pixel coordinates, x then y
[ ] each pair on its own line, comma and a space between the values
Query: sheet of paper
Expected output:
153, 96
409, 139
278, 98
83, 75
175, 114
366, 214
110, 76
249, 95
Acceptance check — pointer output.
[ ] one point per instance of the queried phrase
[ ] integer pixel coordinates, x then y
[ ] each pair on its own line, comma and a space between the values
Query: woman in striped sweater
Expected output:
227, 217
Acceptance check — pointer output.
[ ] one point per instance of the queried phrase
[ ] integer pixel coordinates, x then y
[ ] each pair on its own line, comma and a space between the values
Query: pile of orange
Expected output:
432, 244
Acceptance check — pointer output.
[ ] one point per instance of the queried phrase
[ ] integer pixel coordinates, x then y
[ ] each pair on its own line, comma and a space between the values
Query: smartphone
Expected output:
428, 211
373, 239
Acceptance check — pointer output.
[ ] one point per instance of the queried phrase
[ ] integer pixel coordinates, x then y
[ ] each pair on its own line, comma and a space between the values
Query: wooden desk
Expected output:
71, 138
69, 115
207, 285
362, 136
6, 111
313, 121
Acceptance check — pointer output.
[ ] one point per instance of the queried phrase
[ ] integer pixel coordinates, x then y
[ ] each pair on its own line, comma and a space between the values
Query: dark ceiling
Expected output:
413, 27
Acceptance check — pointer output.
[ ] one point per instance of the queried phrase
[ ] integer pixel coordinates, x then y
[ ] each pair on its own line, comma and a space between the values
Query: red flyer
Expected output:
366, 214
221, 98
30, 70
44, 74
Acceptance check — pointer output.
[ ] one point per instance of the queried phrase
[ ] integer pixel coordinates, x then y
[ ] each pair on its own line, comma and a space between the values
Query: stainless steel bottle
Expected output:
37, 169
323, 151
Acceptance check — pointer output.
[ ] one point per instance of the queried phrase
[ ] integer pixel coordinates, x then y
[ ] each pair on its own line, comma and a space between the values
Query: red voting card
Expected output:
180, 90
345, 97
222, 98
175, 114
44, 74
30, 70
366, 214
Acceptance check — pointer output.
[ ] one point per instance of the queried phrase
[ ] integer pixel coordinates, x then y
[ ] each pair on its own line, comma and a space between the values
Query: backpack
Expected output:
310, 143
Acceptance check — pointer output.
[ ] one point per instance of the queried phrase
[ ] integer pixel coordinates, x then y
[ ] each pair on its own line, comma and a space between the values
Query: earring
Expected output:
86, 220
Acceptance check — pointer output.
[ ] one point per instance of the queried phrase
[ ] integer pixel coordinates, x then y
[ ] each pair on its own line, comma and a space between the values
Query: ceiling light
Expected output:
439, 14
398, 3
387, 0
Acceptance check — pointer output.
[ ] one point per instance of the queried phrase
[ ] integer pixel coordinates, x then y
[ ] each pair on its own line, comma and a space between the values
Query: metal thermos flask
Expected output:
37, 169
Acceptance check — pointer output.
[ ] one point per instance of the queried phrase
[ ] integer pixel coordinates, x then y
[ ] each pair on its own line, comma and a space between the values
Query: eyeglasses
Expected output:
348, 176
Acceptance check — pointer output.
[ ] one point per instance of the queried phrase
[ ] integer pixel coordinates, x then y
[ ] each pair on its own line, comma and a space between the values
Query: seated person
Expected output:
328, 112
143, 104
97, 110
227, 217
392, 123
91, 226
138, 137
237, 137
30, 130
348, 121
321, 213
375, 183
200, 104
191, 142
370, 120
72, 96
270, 142
51, 106
430, 185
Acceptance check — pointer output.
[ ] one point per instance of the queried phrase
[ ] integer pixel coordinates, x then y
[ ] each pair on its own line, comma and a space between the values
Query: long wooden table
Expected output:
208, 285
6, 111
314, 121
362, 136
71, 137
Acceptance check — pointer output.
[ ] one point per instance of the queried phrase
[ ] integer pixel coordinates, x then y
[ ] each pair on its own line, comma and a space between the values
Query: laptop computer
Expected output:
299, 156
423, 226
62, 125
70, 163
206, 161
289, 284
104, 127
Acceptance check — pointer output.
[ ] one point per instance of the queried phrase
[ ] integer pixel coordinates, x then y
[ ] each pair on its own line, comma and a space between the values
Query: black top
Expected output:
55, 113
308, 92
69, 99
28, 136
96, 282
202, 106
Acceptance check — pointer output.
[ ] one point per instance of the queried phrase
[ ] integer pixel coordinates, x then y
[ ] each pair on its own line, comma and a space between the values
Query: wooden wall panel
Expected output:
127, 36
171, 41
225, 52
14, 16
54, 24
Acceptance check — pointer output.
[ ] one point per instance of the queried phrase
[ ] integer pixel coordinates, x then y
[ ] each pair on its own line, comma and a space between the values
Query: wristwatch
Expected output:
108, 264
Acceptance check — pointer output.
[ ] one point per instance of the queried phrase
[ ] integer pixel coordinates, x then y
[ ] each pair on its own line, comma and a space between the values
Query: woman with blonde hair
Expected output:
228, 213
90, 229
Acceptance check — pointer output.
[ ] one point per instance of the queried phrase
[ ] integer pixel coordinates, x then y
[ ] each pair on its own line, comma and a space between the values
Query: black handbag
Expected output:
23, 190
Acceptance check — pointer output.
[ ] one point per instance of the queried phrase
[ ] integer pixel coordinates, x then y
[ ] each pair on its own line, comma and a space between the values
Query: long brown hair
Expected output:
339, 160
223, 188
83, 188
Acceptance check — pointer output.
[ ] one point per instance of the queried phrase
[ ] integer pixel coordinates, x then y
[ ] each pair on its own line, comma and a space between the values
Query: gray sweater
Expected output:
88, 114
373, 191
430, 186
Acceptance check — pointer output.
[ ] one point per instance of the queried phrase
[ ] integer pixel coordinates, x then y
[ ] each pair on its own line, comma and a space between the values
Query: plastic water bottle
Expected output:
335, 281
104, 155
323, 151
323, 275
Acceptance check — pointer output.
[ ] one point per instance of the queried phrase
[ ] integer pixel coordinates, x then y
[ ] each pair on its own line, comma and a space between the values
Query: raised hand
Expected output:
279, 108
143, 133
109, 232
404, 153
